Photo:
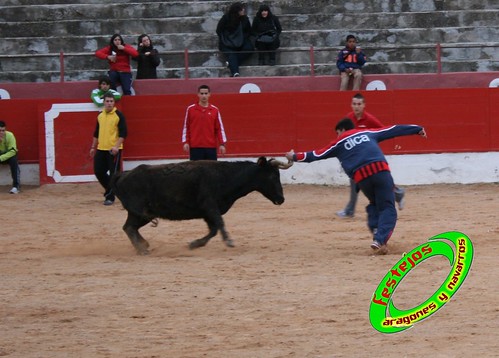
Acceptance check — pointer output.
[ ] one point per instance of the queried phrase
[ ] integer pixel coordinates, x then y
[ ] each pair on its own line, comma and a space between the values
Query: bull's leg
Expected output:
132, 225
214, 224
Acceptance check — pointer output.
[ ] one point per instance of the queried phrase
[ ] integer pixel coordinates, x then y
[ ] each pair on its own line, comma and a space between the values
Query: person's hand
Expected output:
147, 53
422, 133
222, 149
358, 49
120, 47
186, 147
112, 58
289, 155
114, 150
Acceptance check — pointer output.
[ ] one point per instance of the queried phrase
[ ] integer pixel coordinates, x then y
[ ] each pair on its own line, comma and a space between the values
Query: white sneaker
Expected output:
14, 190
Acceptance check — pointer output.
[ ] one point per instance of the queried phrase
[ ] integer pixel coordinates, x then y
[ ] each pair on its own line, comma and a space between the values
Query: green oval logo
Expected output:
383, 314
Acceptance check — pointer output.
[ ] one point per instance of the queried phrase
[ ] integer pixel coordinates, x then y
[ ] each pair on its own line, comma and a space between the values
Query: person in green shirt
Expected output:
97, 95
8, 155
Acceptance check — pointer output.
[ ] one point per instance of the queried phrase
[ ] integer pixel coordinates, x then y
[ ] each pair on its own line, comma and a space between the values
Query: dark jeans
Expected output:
203, 153
381, 212
237, 57
264, 49
105, 165
124, 78
15, 172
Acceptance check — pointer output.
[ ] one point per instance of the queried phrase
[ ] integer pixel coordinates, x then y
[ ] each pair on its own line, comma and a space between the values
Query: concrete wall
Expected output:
398, 36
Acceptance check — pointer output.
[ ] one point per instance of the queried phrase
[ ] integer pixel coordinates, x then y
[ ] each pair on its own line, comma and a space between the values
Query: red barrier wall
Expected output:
457, 120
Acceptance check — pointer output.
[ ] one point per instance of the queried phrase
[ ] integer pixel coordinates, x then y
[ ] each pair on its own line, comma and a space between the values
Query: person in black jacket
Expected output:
267, 28
148, 58
234, 31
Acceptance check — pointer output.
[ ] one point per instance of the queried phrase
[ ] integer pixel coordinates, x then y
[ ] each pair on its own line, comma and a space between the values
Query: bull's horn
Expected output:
281, 165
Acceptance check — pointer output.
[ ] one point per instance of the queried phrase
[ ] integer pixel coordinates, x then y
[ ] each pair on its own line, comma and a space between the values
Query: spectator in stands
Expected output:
350, 61
234, 31
118, 54
8, 155
104, 87
267, 29
148, 58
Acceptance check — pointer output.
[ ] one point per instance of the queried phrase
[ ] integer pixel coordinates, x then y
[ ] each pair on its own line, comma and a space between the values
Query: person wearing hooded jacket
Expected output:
234, 31
118, 54
266, 23
148, 58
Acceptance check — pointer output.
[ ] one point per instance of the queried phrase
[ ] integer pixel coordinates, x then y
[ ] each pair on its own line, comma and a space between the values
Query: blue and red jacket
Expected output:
348, 58
358, 150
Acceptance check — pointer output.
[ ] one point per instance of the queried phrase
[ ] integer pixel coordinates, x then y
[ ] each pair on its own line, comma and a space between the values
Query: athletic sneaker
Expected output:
399, 197
343, 214
108, 202
236, 74
401, 203
379, 248
14, 190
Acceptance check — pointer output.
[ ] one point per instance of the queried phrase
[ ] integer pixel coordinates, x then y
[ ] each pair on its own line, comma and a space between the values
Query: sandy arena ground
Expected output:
297, 284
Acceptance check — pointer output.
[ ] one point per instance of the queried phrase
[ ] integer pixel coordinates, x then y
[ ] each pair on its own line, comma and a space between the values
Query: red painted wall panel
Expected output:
457, 120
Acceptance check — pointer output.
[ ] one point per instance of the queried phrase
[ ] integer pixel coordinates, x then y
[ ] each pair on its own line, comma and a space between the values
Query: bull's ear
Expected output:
261, 161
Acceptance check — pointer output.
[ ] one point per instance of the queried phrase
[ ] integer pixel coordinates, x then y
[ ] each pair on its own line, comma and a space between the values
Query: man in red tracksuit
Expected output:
363, 120
362, 159
203, 128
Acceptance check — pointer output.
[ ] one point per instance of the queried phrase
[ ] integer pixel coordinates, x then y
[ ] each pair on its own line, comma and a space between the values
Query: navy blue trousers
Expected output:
381, 211
203, 154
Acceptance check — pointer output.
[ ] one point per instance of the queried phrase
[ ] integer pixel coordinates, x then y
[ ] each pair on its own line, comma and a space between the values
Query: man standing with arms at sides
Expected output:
203, 128
107, 145
364, 120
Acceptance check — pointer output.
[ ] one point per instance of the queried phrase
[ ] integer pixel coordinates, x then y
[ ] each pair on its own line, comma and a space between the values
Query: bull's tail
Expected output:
114, 183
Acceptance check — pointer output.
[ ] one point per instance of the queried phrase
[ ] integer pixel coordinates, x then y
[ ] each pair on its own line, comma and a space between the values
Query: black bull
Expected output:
192, 190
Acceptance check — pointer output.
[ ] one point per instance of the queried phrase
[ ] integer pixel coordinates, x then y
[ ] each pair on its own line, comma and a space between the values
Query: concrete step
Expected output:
206, 41
119, 8
258, 71
87, 61
289, 22
386, 29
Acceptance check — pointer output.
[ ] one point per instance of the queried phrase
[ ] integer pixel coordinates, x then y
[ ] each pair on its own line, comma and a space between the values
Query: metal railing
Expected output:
312, 51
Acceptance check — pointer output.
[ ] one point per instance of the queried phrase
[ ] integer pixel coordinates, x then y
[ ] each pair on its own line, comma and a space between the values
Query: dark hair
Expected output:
204, 87
104, 79
351, 37
2, 124
358, 96
111, 42
108, 95
233, 14
234, 8
345, 124
141, 37
263, 7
